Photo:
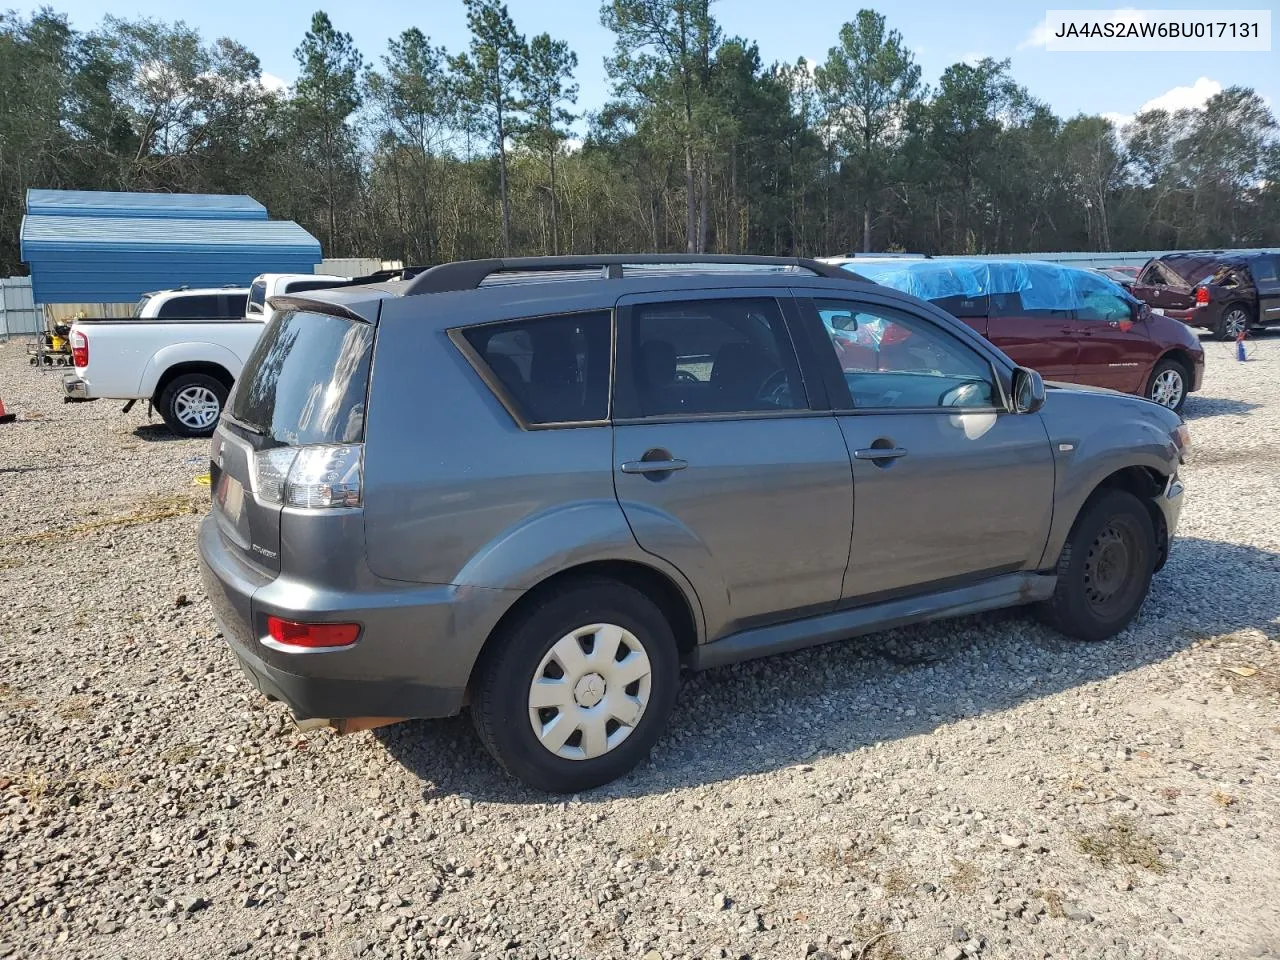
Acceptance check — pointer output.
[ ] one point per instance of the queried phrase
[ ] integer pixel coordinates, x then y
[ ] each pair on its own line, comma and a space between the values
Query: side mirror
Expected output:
844, 321
1028, 391
1139, 311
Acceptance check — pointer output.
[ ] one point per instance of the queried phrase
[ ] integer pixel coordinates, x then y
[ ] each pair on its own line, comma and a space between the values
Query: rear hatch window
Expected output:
306, 380
294, 429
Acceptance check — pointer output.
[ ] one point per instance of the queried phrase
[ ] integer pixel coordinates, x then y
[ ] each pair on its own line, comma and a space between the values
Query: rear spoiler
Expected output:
300, 301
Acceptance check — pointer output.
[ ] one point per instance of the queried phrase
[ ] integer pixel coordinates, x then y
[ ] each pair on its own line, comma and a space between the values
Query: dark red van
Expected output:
1069, 324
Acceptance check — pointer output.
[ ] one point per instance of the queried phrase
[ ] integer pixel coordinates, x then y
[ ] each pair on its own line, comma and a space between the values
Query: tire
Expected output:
191, 404
1077, 607
1235, 318
532, 650
1167, 385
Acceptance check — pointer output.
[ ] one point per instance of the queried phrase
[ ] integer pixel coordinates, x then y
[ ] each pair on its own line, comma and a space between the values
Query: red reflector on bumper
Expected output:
290, 633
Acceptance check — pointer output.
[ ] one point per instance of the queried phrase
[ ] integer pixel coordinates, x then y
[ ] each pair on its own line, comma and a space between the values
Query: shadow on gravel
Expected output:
155, 433
797, 708
1198, 407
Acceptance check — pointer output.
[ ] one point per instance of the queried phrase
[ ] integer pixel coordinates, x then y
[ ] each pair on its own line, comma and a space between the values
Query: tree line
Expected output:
428, 155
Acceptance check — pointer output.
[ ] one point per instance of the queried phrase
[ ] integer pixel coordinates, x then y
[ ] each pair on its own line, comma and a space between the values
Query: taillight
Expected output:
1202, 296
79, 349
314, 477
311, 636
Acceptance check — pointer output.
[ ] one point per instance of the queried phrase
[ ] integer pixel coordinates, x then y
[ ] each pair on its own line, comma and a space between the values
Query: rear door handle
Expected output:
653, 466
880, 453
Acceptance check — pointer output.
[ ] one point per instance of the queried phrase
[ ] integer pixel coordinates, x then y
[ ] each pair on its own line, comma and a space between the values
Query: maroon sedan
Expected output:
1069, 324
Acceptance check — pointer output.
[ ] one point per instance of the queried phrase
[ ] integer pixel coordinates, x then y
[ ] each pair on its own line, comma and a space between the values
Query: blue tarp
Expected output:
1042, 286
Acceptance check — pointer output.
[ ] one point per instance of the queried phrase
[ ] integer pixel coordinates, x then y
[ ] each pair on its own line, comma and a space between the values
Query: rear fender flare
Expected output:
550, 542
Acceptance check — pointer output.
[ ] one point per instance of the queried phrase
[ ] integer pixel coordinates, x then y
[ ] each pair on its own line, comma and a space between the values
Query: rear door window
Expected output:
233, 305
305, 381
547, 370
699, 357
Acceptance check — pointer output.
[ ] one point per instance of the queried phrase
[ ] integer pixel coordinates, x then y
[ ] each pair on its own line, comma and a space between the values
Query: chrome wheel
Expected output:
1235, 323
590, 691
197, 407
1167, 388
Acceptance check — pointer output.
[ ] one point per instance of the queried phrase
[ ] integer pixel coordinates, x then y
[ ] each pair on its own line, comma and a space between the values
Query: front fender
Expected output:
546, 543
195, 352
1104, 434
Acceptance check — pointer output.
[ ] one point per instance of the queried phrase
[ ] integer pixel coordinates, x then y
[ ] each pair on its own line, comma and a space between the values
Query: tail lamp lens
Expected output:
312, 636
1202, 297
79, 349
313, 477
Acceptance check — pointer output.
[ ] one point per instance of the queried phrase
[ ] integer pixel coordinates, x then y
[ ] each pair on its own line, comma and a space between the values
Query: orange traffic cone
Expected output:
6, 417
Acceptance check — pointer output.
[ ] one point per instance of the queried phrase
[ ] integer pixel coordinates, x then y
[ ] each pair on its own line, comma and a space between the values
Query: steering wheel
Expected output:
684, 376
775, 390
963, 395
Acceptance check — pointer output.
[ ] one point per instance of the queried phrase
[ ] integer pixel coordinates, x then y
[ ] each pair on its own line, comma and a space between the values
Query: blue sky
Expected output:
940, 31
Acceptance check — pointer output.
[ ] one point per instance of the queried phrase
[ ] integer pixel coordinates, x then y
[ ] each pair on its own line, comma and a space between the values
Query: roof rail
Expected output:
470, 274
871, 253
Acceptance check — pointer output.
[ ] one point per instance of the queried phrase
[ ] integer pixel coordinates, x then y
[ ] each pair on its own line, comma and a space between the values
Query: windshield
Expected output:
257, 298
306, 380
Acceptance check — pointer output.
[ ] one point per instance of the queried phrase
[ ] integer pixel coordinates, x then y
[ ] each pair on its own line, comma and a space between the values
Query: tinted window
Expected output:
190, 308
257, 297
552, 369
713, 356
1098, 298
306, 380
963, 306
893, 360
235, 304
298, 286
1265, 269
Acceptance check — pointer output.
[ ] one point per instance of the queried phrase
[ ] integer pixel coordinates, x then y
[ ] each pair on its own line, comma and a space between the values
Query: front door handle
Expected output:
653, 466
880, 453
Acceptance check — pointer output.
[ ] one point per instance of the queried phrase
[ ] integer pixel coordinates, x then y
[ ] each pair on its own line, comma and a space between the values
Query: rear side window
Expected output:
1265, 269
235, 305
306, 380
203, 307
549, 369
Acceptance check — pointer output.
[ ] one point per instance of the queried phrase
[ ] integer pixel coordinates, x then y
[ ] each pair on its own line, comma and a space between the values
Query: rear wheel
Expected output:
191, 404
1233, 322
1168, 385
1105, 569
575, 692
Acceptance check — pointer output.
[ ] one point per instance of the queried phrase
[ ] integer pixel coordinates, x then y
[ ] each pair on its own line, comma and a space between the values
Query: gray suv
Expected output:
543, 487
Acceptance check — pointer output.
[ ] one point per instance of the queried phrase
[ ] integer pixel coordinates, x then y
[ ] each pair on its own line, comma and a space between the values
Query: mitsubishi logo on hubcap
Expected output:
589, 690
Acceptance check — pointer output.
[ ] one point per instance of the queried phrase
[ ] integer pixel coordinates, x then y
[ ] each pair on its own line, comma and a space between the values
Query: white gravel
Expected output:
977, 788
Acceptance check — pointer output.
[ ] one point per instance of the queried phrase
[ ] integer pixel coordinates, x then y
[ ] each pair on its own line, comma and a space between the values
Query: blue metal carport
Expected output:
87, 247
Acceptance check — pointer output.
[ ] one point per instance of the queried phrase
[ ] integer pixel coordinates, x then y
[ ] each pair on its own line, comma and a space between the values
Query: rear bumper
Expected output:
74, 388
413, 659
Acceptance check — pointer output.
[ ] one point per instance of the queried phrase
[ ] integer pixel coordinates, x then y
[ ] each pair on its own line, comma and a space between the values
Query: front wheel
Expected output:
191, 404
1168, 385
576, 691
1105, 569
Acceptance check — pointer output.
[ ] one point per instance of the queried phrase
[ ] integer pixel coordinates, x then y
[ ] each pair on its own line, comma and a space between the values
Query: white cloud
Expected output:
1038, 37
972, 59
1118, 120
273, 84
1184, 98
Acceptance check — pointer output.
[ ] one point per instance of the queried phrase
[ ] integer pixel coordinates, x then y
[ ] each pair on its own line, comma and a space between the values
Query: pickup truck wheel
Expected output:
191, 404
575, 692
1105, 569
1233, 322
1168, 385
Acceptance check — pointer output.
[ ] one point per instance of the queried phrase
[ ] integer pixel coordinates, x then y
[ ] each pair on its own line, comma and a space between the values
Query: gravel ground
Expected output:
976, 788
